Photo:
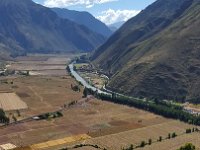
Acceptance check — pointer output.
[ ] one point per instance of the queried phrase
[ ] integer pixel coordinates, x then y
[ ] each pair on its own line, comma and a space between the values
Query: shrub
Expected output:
150, 141
188, 146
174, 135
142, 144
188, 131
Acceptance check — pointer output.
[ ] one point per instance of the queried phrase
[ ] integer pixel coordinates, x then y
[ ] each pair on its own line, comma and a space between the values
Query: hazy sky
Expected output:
108, 11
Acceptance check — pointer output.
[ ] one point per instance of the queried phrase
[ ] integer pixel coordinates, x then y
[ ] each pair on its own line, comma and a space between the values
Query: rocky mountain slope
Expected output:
84, 18
26, 27
157, 53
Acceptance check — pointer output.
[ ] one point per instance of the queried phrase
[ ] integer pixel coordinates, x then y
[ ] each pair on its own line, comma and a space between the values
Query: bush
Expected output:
160, 139
188, 131
150, 141
188, 146
3, 117
142, 144
169, 136
174, 135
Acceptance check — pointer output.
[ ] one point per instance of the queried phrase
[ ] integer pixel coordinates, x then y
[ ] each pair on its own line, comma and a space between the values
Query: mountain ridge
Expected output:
84, 18
27, 27
153, 64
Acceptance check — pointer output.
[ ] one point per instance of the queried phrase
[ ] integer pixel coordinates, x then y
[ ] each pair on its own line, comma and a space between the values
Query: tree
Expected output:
75, 88
150, 141
193, 129
3, 117
85, 92
169, 136
196, 130
188, 146
14, 118
188, 131
130, 147
174, 135
160, 139
142, 144
18, 113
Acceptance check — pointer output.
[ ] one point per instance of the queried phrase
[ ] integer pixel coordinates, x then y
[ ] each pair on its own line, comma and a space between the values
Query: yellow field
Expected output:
10, 102
67, 140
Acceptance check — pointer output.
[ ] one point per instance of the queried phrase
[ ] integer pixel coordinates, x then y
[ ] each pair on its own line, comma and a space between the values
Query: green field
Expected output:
78, 66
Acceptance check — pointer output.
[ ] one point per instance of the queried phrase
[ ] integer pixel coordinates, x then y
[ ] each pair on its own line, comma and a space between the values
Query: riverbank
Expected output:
162, 108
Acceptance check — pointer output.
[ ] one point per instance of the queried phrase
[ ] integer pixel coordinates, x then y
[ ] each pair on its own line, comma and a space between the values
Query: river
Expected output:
83, 82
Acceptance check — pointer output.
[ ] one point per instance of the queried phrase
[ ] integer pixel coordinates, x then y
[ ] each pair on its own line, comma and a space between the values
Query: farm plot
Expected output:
41, 65
135, 136
174, 144
11, 102
59, 142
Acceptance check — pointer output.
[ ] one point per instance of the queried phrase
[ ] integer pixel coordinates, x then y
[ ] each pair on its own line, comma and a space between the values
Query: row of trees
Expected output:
155, 106
150, 141
85, 145
169, 136
191, 130
3, 117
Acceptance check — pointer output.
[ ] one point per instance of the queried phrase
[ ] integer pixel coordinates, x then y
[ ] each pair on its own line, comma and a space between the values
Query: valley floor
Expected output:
88, 121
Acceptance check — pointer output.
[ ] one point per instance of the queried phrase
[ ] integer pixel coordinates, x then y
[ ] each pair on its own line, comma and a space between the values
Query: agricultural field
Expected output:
176, 143
41, 65
87, 121
81, 66
11, 102
125, 139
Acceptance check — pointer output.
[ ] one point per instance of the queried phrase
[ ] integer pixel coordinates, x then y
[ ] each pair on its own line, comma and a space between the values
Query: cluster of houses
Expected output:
2, 71
192, 111
7, 146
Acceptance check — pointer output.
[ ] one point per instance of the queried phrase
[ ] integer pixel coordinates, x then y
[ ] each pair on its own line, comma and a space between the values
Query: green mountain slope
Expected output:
158, 59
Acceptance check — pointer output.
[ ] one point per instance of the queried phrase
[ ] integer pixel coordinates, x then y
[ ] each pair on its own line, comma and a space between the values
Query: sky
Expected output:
108, 11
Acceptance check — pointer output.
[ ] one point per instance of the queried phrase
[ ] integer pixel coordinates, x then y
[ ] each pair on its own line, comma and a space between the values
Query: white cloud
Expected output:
65, 3
111, 16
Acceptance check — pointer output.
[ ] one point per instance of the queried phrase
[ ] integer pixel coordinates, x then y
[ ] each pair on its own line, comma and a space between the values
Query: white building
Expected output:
7, 146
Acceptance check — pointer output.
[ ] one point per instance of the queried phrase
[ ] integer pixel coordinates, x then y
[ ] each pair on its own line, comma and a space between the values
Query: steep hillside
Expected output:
84, 18
29, 27
156, 54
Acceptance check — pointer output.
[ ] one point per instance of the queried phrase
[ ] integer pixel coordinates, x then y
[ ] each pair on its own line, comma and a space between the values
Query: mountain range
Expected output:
84, 18
157, 53
115, 26
27, 27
